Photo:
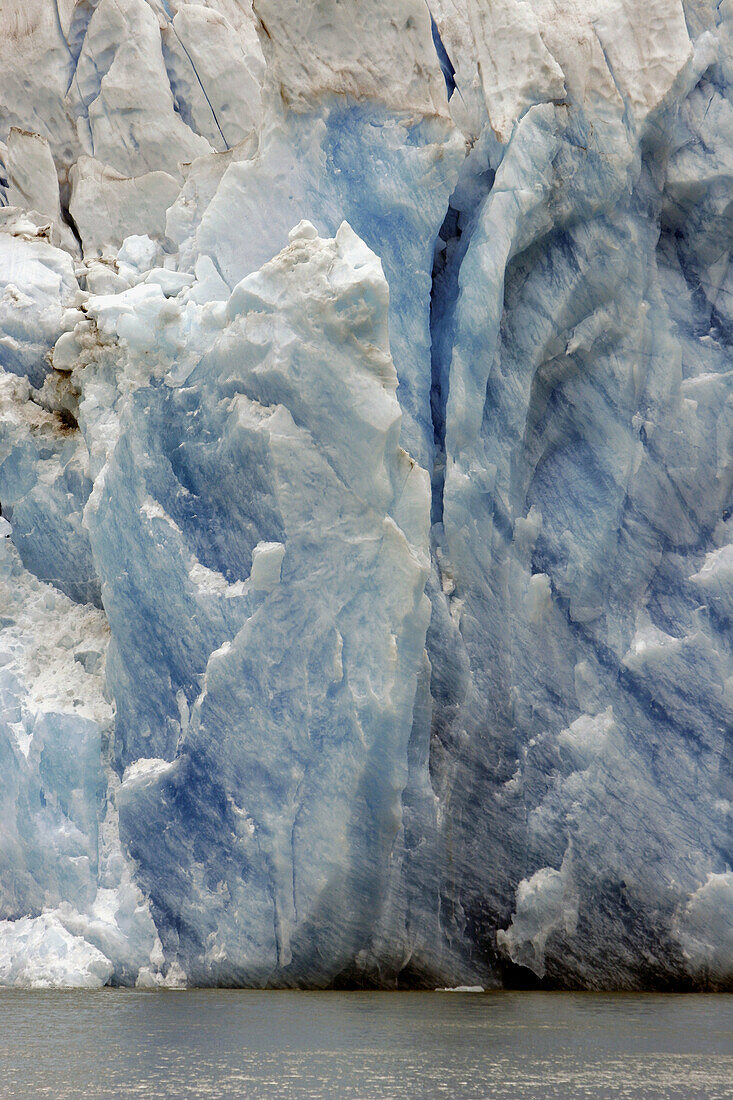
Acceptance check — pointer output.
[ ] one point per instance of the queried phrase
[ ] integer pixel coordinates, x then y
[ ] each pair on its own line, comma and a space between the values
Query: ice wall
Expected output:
366, 577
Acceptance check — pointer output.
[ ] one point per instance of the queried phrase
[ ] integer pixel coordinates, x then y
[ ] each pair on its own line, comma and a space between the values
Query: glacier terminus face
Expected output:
366, 489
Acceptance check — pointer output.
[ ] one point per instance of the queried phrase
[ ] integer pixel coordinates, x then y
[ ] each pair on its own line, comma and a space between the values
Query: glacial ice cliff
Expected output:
366, 551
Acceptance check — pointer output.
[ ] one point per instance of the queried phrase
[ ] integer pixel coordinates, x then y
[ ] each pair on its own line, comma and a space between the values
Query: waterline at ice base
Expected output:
366, 474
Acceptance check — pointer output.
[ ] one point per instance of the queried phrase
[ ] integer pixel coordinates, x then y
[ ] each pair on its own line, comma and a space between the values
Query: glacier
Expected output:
366, 489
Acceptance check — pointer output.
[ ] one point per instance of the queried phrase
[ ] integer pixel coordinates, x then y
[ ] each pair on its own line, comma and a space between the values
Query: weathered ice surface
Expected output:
366, 546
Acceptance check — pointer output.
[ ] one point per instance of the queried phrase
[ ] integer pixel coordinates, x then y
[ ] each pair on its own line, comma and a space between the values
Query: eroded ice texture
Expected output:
366, 550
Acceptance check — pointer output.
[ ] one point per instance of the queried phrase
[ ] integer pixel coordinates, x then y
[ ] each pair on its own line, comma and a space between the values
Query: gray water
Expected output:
222, 1043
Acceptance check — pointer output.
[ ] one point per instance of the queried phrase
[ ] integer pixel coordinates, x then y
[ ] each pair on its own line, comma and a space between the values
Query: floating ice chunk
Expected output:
461, 989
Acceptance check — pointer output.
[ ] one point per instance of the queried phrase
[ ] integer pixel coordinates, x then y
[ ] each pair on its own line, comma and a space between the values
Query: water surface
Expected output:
358, 1046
